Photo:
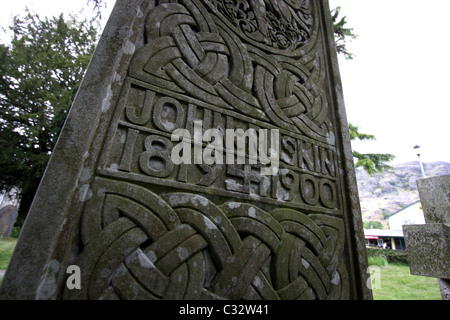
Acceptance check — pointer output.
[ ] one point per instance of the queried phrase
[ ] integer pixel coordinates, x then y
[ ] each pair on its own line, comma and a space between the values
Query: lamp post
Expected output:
422, 171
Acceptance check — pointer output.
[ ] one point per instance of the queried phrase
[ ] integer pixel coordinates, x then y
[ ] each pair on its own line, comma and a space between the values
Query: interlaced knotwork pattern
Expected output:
192, 51
138, 245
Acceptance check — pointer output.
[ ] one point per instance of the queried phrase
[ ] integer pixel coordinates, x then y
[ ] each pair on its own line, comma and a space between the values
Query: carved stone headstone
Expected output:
140, 225
8, 216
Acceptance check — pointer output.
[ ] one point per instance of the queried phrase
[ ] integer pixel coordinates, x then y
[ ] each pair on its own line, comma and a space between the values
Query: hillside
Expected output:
383, 194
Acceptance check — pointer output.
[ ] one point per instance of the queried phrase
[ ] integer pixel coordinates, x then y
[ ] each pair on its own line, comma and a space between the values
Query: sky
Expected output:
397, 86
50, 8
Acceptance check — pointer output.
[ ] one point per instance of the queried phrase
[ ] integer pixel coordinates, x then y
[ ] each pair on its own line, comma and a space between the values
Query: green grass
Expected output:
377, 261
7, 246
396, 283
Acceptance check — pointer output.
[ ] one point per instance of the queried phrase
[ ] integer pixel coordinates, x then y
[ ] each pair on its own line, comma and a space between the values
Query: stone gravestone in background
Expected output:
8, 216
140, 225
429, 244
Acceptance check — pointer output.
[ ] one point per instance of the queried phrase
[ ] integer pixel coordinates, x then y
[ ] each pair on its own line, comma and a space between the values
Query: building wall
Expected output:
410, 215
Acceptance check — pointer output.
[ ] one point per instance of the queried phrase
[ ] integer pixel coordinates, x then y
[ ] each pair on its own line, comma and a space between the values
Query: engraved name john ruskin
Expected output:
152, 228
307, 173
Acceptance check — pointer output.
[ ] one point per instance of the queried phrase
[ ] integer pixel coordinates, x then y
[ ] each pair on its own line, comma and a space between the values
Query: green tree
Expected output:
371, 162
373, 225
39, 71
342, 34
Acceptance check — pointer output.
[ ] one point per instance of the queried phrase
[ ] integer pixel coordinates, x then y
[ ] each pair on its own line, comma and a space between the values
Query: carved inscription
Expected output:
143, 148
160, 229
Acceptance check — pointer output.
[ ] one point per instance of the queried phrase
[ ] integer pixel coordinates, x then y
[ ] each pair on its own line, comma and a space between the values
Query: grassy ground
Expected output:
7, 246
396, 283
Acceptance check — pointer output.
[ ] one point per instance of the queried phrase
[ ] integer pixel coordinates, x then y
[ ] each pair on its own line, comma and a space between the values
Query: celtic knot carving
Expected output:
138, 245
195, 52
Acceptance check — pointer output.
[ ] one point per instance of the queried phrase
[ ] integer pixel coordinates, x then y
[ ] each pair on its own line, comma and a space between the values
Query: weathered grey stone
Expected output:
428, 249
8, 216
140, 226
444, 285
435, 198
429, 245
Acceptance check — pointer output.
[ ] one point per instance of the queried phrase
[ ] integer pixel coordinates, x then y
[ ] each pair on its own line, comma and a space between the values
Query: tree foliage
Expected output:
39, 72
371, 162
98, 6
373, 225
342, 34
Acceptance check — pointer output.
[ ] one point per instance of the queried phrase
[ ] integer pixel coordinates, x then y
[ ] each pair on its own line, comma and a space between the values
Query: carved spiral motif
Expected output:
138, 245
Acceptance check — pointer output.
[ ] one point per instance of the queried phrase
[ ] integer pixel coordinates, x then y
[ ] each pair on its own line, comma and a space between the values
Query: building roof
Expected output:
383, 233
412, 204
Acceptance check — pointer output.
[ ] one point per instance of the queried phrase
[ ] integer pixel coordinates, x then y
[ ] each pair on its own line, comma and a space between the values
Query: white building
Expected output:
387, 239
394, 238
412, 214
